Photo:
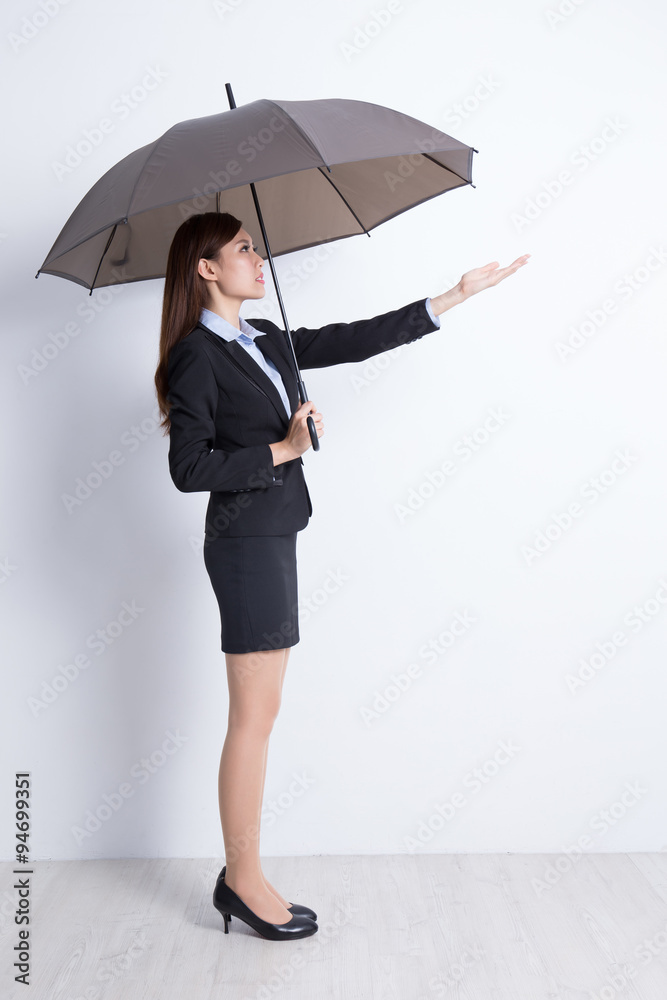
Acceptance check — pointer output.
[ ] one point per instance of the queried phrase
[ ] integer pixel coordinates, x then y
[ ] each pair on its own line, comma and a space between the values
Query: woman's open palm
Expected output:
483, 277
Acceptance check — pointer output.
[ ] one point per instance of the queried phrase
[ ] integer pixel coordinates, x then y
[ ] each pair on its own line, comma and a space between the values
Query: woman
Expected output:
228, 395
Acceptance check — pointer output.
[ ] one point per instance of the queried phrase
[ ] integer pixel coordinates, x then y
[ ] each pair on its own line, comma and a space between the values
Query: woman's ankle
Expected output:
245, 880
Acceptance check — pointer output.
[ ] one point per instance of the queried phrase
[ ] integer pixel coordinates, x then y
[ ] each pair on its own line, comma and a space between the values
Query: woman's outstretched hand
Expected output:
483, 277
475, 281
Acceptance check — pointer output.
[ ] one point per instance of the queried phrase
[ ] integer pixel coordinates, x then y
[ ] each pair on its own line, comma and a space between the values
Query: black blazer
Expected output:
225, 410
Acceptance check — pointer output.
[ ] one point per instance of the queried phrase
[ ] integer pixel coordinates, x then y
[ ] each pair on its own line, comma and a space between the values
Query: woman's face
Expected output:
237, 271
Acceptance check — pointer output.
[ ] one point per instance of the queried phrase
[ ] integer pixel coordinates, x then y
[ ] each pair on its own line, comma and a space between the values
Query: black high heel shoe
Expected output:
227, 902
296, 908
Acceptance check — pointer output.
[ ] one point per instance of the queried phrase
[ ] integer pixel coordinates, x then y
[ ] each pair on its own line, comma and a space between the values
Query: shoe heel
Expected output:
225, 900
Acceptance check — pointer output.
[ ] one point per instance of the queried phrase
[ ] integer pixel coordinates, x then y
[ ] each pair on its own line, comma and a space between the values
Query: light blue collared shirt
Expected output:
246, 335
246, 338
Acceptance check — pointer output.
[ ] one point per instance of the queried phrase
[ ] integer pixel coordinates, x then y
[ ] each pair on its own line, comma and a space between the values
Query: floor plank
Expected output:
402, 927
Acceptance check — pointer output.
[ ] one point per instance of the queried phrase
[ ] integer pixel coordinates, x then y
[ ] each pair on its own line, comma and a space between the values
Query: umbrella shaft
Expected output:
275, 280
302, 389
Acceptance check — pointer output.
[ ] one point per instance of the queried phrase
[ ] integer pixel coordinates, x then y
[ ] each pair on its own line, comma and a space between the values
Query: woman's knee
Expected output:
254, 719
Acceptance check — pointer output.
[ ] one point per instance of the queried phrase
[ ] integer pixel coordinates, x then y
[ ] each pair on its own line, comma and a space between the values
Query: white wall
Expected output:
533, 96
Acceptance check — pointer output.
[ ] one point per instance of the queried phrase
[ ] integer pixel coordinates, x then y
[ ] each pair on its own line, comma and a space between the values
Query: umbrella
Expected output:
323, 169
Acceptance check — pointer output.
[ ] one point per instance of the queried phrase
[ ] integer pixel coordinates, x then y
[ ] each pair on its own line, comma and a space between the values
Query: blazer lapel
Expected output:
276, 351
240, 358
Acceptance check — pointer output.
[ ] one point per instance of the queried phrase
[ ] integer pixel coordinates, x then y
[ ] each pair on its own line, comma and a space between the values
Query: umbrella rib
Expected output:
153, 147
90, 236
343, 198
449, 169
301, 131
113, 233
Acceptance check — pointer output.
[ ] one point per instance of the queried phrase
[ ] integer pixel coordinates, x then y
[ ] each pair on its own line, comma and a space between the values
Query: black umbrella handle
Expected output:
314, 440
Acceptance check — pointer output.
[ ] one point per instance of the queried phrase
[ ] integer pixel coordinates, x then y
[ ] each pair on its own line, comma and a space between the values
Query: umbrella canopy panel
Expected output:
323, 170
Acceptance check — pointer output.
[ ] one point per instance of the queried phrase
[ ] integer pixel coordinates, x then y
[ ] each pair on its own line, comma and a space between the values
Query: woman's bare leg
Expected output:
255, 688
268, 885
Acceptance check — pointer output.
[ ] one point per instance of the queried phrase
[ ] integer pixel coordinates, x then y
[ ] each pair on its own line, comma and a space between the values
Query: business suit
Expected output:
225, 411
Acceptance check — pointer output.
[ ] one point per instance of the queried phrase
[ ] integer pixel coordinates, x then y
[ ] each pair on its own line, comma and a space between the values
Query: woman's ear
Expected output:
204, 268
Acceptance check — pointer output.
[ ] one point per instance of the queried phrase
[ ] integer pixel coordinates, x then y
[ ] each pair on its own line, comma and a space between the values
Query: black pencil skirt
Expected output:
255, 583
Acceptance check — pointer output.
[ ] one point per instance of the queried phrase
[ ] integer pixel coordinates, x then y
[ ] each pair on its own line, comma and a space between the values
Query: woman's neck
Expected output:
224, 306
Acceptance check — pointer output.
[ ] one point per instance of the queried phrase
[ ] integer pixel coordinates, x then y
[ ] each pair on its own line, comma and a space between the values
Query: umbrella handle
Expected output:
310, 423
313, 433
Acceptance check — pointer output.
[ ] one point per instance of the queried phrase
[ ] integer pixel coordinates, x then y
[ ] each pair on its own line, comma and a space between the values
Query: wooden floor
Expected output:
410, 927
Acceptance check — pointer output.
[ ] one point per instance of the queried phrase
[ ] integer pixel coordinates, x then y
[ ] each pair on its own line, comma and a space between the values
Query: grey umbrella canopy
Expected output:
308, 171
322, 170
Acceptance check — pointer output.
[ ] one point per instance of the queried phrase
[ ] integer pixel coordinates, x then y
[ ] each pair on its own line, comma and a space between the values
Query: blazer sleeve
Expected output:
339, 343
194, 462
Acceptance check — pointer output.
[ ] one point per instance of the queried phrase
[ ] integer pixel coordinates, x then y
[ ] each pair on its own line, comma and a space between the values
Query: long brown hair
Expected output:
185, 292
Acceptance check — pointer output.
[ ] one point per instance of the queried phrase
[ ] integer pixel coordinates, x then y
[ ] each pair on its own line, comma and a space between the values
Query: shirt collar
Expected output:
224, 329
